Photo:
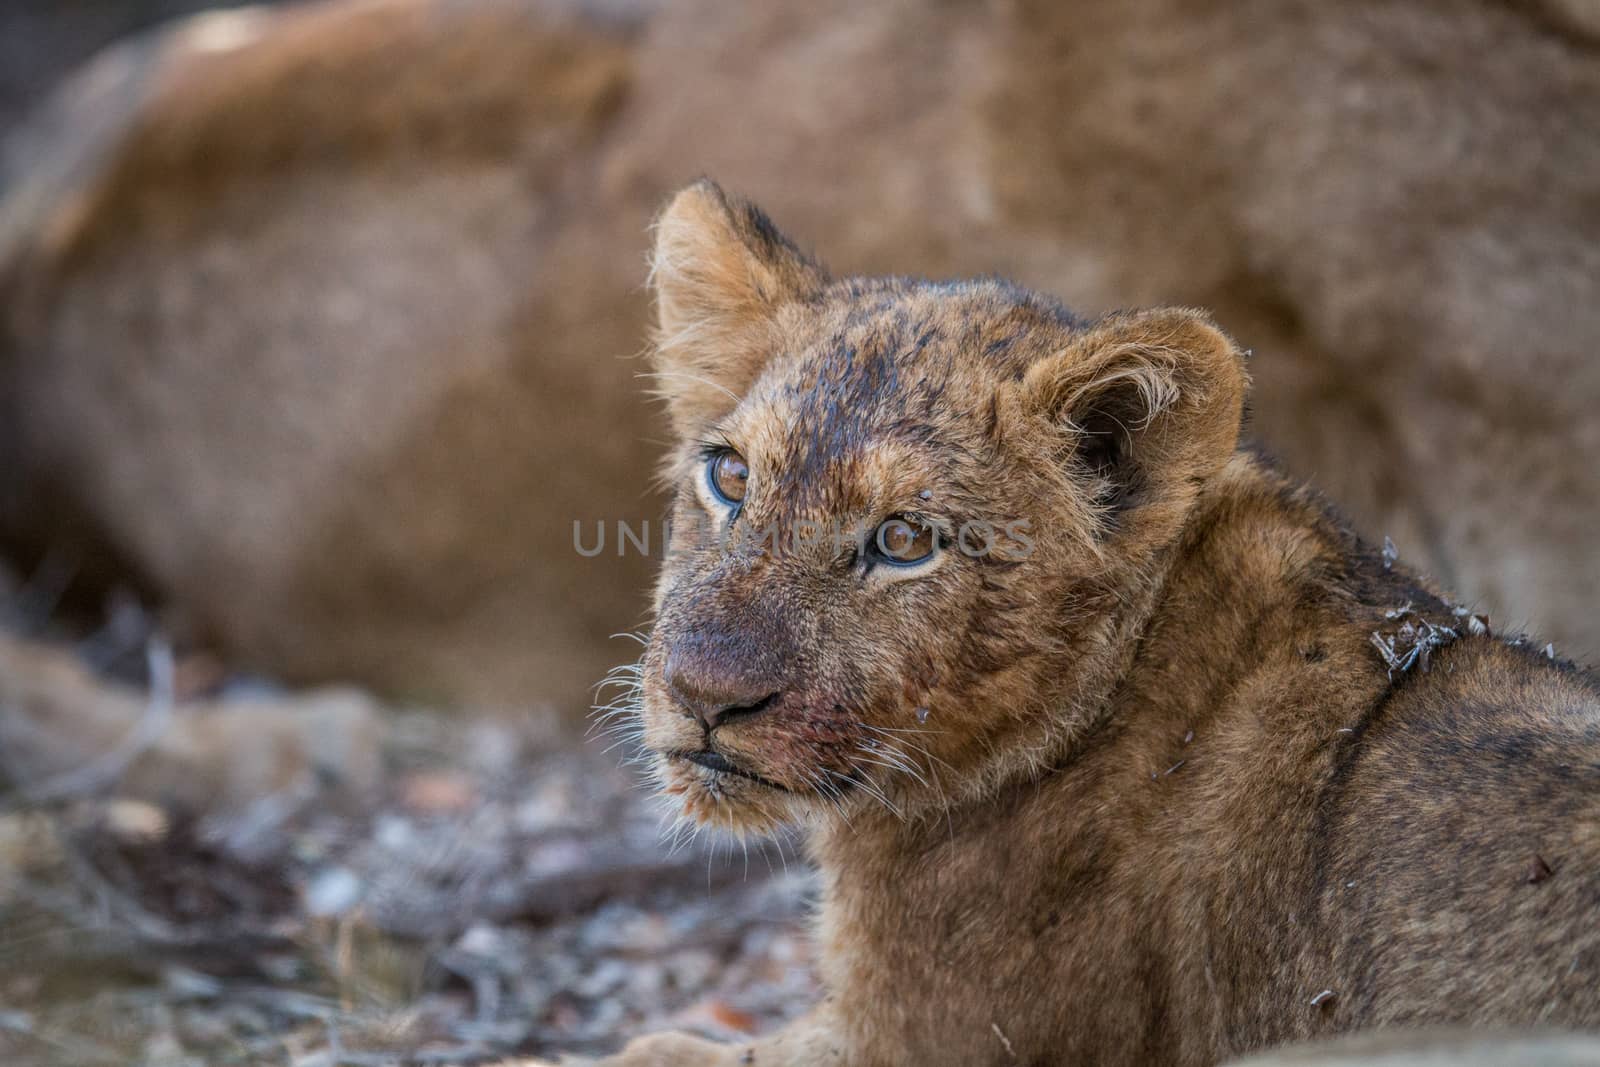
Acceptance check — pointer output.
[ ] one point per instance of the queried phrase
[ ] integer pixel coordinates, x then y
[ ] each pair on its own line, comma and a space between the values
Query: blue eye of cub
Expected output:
727, 474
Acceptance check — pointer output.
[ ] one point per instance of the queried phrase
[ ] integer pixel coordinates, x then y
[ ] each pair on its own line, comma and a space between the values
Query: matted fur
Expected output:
1149, 795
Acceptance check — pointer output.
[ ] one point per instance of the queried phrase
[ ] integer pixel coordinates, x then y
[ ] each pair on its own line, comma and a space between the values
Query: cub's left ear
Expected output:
1149, 404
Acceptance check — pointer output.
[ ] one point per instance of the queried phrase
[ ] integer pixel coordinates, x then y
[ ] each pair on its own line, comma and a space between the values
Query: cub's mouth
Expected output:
716, 761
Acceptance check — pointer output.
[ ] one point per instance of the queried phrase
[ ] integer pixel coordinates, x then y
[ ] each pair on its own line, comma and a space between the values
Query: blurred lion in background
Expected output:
317, 322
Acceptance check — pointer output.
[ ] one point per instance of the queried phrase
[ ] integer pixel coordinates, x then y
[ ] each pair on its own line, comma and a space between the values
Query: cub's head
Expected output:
914, 524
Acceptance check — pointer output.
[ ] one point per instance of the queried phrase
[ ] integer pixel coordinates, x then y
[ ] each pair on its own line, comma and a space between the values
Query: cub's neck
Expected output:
1268, 586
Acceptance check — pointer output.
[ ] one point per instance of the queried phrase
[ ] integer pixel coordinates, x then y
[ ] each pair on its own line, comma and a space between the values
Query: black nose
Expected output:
714, 696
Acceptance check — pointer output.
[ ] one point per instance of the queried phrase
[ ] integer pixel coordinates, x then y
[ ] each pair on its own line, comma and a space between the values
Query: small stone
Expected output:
136, 821
333, 891
692, 969
607, 977
732, 1018
481, 940
186, 984
437, 793
18, 1022
394, 833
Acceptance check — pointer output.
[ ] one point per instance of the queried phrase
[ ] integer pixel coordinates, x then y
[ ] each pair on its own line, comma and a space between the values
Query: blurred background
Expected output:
320, 329
41, 41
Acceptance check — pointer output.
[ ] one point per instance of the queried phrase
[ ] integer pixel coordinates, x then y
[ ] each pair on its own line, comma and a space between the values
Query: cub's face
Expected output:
904, 518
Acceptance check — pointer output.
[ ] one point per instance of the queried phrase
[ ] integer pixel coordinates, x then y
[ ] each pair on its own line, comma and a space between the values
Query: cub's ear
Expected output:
1150, 405
721, 271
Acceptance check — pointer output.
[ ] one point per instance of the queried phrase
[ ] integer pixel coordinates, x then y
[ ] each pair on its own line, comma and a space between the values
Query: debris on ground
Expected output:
495, 892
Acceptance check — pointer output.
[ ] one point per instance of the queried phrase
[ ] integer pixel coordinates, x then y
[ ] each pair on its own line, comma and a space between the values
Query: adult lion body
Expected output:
325, 347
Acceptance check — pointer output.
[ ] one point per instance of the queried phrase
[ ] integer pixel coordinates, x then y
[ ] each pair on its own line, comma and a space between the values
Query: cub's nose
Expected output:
715, 696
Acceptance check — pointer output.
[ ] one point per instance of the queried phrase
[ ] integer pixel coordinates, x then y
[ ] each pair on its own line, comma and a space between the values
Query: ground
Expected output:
504, 891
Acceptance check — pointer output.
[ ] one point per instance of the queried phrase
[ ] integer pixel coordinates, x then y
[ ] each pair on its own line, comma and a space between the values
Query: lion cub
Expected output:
1114, 746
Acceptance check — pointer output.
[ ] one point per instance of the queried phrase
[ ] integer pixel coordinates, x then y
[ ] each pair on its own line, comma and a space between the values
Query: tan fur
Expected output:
1401, 1048
1149, 794
1439, 1049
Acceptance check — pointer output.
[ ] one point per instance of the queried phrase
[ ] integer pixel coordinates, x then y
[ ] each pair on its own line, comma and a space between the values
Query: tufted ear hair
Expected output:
721, 272
1150, 406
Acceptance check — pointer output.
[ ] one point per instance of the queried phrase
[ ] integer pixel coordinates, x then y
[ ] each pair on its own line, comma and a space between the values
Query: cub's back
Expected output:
1462, 839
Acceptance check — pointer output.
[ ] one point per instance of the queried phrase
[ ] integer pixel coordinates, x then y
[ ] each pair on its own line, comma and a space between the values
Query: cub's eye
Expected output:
904, 541
727, 474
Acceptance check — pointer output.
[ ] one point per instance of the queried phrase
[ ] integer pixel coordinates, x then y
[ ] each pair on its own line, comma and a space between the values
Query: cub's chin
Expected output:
713, 791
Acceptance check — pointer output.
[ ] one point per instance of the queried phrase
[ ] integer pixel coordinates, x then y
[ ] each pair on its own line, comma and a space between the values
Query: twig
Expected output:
235, 937
1004, 1040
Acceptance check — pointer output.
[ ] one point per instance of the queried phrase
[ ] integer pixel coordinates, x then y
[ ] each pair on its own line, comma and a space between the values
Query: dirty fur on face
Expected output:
1200, 773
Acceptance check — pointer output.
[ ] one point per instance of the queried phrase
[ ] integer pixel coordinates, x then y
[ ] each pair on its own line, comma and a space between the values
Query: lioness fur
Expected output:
306, 309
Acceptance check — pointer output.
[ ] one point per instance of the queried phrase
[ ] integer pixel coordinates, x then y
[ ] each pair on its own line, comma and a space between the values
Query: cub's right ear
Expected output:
721, 270
1150, 403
